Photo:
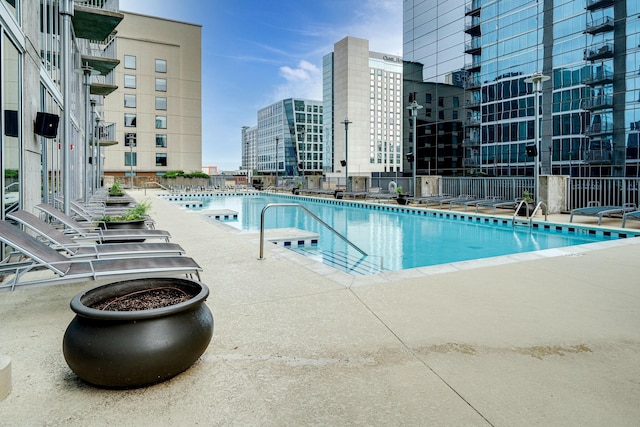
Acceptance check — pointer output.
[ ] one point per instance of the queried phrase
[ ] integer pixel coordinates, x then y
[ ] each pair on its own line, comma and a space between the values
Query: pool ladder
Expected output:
529, 220
314, 216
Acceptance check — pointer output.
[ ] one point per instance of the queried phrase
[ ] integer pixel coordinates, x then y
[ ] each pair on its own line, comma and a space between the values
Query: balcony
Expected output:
106, 134
95, 19
470, 163
597, 129
472, 104
599, 77
102, 58
599, 102
472, 122
472, 83
472, 141
472, 9
472, 66
473, 28
599, 4
473, 48
600, 25
602, 51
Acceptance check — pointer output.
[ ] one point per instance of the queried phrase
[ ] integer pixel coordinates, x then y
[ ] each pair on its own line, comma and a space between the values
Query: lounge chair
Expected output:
40, 257
455, 200
635, 215
74, 248
498, 204
594, 209
472, 201
430, 200
90, 230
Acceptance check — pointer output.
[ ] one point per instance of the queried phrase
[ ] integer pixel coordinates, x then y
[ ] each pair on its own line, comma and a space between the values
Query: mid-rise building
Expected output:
58, 60
589, 49
249, 147
362, 97
290, 138
158, 105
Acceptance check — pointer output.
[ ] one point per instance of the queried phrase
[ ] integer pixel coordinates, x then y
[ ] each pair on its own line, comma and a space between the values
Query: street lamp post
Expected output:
277, 162
414, 107
346, 123
536, 79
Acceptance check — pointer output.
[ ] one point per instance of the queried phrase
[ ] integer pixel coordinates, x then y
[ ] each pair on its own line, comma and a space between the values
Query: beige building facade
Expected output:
363, 88
157, 107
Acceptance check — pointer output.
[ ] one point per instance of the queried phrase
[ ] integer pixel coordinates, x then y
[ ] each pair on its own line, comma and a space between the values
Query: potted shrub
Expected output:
132, 218
296, 189
528, 206
401, 198
116, 190
137, 332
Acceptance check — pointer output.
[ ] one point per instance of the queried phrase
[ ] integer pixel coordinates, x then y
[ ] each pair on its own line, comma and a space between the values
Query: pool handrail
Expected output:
314, 216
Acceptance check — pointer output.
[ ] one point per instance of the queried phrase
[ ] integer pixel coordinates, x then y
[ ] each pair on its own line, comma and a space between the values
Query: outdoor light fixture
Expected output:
346, 123
536, 79
414, 107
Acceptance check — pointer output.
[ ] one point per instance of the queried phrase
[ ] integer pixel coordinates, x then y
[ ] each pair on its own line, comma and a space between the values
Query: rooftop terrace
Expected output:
546, 338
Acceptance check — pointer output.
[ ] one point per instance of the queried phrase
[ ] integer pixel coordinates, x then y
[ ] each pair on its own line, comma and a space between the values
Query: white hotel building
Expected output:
365, 88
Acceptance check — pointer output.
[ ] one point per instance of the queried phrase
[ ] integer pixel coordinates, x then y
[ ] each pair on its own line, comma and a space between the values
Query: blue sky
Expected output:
257, 52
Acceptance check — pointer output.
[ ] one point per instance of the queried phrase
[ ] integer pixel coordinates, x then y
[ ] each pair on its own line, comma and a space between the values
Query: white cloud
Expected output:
304, 81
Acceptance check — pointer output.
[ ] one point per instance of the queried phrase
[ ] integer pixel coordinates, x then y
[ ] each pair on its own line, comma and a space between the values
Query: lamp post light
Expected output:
536, 79
346, 123
414, 107
277, 162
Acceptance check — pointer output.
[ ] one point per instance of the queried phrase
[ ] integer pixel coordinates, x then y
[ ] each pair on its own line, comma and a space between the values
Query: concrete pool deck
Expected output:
550, 338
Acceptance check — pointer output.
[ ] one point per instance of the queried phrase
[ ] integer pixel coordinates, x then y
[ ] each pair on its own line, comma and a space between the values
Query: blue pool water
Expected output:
397, 239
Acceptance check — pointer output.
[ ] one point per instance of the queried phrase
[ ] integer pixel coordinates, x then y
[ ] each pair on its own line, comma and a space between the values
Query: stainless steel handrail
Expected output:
314, 216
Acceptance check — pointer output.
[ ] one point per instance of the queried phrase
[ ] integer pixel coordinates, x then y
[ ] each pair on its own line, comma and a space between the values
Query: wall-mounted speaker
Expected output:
531, 150
343, 163
47, 124
11, 123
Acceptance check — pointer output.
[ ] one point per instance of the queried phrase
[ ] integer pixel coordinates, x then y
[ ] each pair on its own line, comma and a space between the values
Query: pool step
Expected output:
352, 264
221, 214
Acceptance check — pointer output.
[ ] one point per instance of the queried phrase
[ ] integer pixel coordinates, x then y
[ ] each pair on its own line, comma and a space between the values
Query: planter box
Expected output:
124, 349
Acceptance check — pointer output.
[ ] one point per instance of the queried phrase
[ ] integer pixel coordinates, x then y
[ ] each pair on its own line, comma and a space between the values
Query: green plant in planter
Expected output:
526, 196
116, 190
399, 191
137, 213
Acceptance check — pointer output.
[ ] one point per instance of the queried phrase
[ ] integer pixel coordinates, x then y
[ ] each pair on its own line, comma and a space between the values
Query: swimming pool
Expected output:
397, 238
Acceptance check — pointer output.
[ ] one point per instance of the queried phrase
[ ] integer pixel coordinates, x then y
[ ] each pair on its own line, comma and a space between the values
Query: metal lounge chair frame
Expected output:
594, 208
635, 215
498, 204
103, 236
68, 270
73, 248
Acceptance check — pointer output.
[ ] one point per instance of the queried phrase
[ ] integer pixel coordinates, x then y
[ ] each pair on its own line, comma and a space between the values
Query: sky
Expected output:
257, 52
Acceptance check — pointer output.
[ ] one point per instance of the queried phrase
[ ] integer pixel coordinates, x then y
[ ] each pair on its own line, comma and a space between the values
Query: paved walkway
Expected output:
549, 339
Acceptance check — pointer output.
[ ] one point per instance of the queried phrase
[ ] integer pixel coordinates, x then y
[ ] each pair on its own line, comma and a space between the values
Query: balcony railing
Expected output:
113, 5
599, 52
472, 83
600, 129
598, 4
598, 102
600, 25
599, 77
472, 122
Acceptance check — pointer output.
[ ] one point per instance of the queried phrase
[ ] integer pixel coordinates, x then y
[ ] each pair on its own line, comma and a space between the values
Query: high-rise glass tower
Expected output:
589, 108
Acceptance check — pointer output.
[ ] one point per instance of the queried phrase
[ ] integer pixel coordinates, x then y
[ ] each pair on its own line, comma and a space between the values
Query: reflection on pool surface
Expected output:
397, 239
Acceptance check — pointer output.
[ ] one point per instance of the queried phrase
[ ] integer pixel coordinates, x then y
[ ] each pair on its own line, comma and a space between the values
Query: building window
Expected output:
130, 139
161, 159
161, 122
129, 100
161, 85
161, 103
130, 158
161, 140
129, 81
130, 62
130, 120
427, 98
161, 65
